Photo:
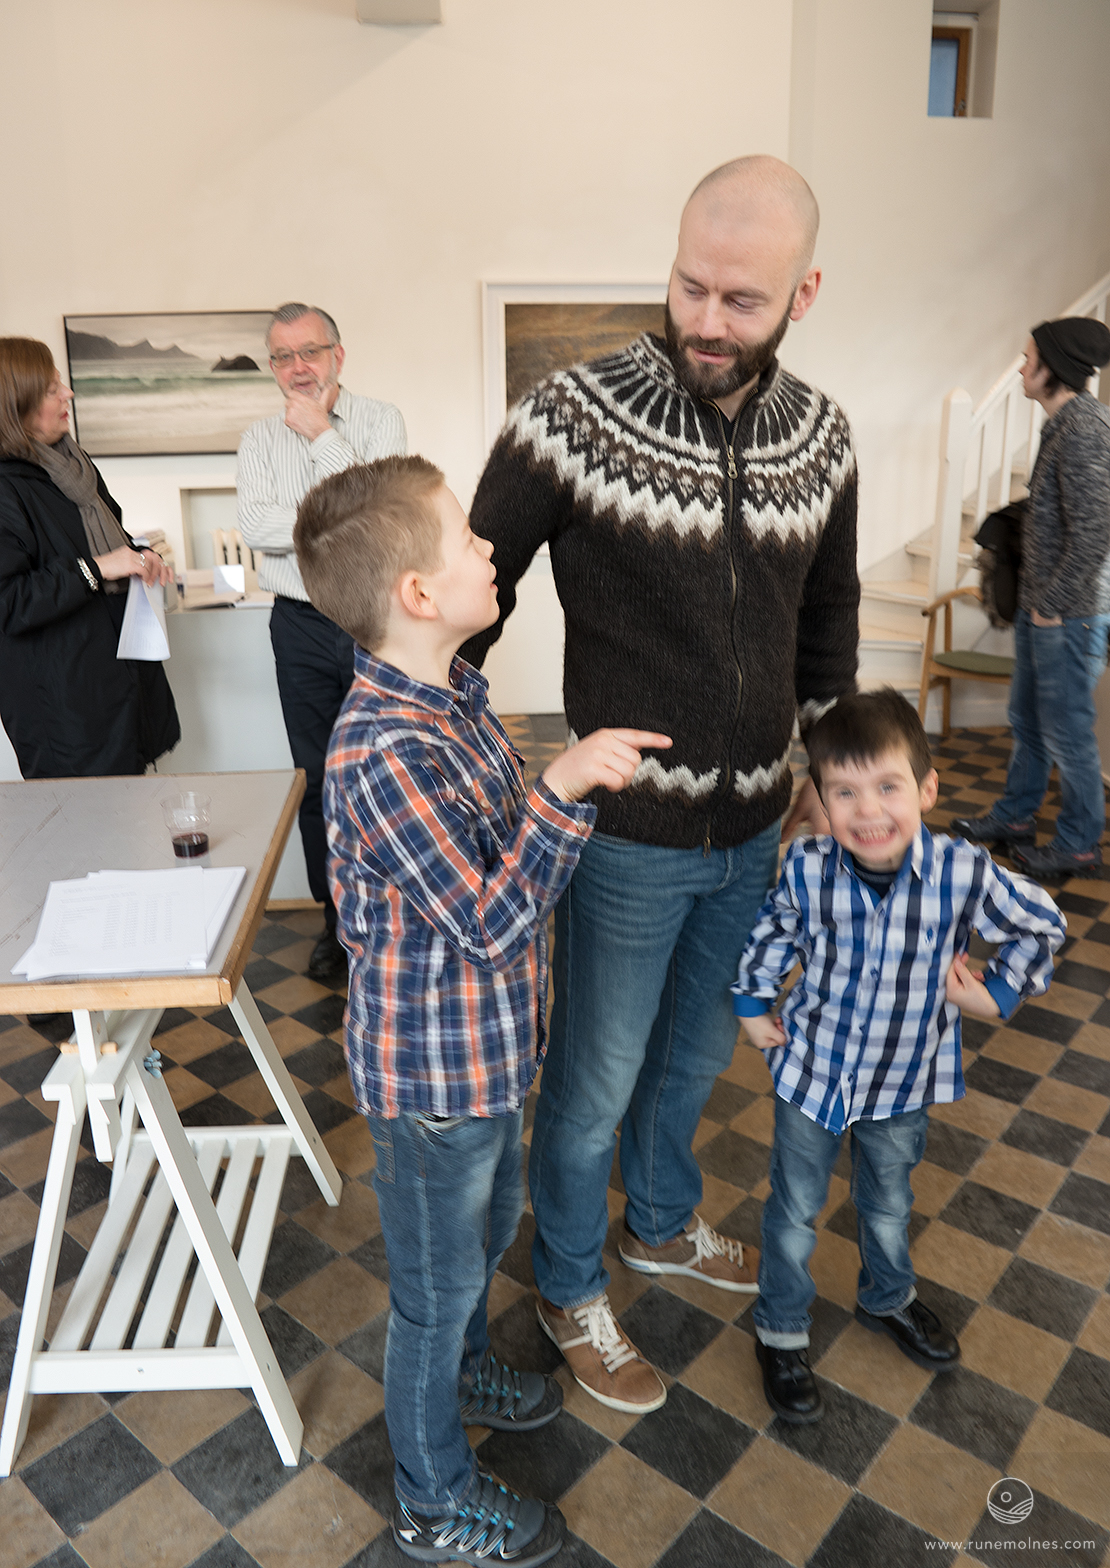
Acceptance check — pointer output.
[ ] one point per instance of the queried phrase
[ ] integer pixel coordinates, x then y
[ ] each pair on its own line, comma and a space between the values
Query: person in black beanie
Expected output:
1063, 617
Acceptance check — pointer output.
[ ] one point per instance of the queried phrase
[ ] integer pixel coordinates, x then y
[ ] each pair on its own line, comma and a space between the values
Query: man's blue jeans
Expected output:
450, 1196
647, 943
884, 1155
1052, 716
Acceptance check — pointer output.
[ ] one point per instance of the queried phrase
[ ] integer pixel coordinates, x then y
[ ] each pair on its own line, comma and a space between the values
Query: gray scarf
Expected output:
70, 469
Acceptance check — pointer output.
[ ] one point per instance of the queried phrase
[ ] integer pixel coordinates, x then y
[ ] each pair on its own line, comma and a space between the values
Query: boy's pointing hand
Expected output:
607, 758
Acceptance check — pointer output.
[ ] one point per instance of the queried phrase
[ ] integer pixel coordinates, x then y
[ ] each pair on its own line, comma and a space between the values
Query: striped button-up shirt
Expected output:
277, 467
443, 869
868, 1030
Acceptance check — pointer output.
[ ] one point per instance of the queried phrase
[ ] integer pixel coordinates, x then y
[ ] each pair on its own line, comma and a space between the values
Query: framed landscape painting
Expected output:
189, 381
532, 329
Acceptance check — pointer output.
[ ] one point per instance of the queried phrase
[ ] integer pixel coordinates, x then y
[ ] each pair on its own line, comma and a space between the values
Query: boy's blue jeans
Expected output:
884, 1154
1052, 716
450, 1196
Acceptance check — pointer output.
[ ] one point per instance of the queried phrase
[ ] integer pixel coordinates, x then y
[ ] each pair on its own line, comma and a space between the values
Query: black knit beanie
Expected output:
1072, 347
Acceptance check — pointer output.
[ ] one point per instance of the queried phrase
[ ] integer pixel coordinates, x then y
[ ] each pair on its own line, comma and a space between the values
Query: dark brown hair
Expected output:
26, 371
866, 725
358, 530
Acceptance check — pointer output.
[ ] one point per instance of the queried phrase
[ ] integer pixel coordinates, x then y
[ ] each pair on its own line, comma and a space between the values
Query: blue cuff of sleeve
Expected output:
749, 1007
1005, 995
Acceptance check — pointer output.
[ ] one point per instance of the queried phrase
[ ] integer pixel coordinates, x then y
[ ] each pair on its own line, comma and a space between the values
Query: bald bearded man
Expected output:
700, 507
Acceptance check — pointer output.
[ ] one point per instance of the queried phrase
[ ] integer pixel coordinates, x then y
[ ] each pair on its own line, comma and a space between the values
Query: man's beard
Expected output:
713, 381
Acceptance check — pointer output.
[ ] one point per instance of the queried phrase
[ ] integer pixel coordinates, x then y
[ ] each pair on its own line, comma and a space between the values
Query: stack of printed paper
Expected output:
131, 922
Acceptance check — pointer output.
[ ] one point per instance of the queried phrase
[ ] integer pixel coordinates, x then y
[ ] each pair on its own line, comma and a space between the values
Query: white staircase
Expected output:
986, 455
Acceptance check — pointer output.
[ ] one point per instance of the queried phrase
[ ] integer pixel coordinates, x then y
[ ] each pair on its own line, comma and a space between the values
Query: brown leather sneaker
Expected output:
701, 1253
601, 1358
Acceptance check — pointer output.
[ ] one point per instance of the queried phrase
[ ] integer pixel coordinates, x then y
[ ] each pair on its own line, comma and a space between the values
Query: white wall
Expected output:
234, 153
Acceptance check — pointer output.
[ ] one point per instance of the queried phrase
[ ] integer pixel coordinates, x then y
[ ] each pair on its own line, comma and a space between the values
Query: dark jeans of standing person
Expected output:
315, 667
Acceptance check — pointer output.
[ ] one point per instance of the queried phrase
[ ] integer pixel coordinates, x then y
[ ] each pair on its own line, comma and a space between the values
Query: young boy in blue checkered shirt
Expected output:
879, 916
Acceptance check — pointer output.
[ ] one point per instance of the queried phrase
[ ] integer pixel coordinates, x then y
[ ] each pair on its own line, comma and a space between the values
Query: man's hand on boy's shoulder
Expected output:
766, 1030
806, 807
965, 988
607, 758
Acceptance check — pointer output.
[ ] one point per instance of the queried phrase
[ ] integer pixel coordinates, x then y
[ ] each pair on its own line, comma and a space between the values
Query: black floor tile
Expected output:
845, 1440
727, 1101
1078, 904
97, 1468
1044, 1298
173, 1018
519, 1340
225, 1554
743, 1222
953, 1148
325, 1111
91, 1182
64, 1557
974, 1414
261, 972
735, 1158
236, 1469
668, 1331
317, 1063
9, 1333
709, 1542
1045, 1137
1099, 932
1085, 1072
1082, 1391
56, 1028
829, 1322
272, 937
517, 1259
294, 1254
867, 1536
954, 1311
371, 1257
325, 1014
227, 1064
992, 1216
1000, 1079
216, 1110
691, 1442
366, 1346
26, 1073
294, 1345
1000, 1546
365, 1461
15, 1266
299, 1188
20, 1119
1083, 977
1083, 1199
381, 1552
1044, 1024
220, 1018
975, 1032
545, 1463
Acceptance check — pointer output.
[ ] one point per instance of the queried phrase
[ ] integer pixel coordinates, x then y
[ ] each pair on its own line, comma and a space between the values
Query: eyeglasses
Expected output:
307, 355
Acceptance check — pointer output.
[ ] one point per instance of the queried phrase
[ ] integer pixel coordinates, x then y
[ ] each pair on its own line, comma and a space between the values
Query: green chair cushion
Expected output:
968, 662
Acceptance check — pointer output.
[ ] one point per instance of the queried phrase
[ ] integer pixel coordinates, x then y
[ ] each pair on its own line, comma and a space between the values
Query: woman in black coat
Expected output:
70, 707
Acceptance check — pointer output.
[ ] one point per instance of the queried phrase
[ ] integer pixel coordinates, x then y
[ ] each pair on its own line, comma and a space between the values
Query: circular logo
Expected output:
1010, 1501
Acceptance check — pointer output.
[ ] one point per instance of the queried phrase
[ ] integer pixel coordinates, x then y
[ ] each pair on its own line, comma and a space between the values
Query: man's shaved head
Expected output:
758, 189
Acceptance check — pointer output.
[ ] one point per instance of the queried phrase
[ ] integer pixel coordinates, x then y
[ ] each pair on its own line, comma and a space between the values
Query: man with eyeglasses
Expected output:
323, 430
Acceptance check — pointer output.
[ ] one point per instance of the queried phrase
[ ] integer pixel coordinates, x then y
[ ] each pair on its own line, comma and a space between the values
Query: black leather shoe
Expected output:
918, 1333
328, 964
1051, 862
991, 829
789, 1385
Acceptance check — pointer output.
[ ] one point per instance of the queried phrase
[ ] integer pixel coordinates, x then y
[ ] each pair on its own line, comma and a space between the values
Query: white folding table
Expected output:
141, 1314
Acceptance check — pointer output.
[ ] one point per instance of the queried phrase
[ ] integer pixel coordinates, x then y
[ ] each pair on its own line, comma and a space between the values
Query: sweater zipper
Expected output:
731, 474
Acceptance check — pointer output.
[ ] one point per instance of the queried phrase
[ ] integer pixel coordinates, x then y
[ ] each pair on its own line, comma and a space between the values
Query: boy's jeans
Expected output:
1052, 716
450, 1196
884, 1154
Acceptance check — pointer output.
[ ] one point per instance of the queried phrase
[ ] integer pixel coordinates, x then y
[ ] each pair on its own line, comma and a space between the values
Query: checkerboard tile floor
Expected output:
1011, 1240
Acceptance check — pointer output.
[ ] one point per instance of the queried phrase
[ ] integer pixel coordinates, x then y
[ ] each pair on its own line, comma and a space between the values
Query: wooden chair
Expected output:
963, 664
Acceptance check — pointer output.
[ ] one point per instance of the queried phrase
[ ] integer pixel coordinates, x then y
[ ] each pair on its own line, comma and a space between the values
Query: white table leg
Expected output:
244, 1010
44, 1264
194, 1203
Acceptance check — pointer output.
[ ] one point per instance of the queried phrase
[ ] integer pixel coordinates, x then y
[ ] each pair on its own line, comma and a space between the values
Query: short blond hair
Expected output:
358, 531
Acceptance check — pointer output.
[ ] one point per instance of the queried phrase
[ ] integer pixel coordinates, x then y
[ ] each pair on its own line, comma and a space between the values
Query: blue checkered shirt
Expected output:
443, 869
869, 1031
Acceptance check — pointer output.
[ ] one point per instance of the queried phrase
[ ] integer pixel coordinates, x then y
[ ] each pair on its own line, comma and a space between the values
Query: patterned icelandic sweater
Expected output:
709, 605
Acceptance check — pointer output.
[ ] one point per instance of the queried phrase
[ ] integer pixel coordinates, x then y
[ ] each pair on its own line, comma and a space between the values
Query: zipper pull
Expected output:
732, 471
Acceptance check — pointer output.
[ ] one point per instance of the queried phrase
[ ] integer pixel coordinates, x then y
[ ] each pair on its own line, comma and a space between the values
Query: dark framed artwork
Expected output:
534, 329
184, 381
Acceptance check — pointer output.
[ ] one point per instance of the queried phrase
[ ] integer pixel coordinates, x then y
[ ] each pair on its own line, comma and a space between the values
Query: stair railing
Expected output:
983, 449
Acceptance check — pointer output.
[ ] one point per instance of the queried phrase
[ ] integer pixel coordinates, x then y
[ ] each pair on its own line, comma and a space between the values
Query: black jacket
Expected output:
70, 707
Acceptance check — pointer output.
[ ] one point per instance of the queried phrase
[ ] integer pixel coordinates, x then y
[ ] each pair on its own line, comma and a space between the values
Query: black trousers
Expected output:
315, 667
